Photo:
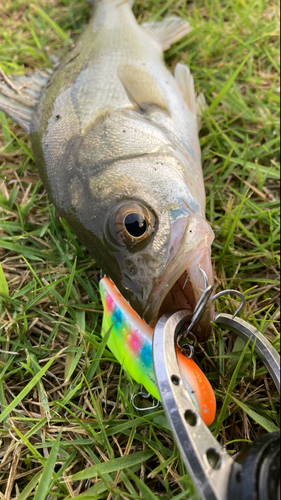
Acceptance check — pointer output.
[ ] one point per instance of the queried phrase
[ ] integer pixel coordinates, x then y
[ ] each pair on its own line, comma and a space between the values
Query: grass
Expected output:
67, 423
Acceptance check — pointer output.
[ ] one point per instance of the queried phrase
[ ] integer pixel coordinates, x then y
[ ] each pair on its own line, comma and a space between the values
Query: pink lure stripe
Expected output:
131, 343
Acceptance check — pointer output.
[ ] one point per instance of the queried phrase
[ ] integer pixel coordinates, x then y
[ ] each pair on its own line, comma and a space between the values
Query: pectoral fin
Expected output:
168, 31
186, 84
141, 87
20, 95
201, 106
196, 104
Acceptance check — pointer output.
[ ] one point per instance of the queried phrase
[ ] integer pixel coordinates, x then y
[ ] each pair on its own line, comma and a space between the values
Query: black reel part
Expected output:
259, 478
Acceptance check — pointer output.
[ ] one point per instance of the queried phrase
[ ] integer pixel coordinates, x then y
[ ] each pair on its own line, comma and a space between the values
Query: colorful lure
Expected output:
131, 343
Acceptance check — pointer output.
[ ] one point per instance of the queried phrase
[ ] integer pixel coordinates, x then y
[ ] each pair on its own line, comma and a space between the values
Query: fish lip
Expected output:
173, 274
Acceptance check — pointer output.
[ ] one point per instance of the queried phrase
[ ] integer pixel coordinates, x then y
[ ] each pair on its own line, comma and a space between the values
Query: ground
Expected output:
67, 422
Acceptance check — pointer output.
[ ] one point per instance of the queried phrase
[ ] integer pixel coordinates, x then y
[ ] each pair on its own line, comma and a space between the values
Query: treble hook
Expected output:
206, 295
199, 310
202, 302
144, 395
232, 292
197, 314
185, 347
204, 276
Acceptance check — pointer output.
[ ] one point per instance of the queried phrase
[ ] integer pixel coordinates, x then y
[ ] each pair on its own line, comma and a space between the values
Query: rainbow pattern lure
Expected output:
131, 343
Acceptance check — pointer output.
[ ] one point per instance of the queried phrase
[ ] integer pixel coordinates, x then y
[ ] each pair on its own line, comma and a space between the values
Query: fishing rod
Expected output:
254, 475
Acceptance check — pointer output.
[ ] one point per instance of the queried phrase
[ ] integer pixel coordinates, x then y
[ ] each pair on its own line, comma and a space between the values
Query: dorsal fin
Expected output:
20, 95
141, 87
168, 31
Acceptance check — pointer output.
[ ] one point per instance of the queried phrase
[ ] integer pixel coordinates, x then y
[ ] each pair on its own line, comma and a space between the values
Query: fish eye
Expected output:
135, 224
131, 223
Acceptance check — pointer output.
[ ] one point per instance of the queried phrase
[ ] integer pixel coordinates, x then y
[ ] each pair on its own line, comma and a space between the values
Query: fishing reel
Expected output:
254, 475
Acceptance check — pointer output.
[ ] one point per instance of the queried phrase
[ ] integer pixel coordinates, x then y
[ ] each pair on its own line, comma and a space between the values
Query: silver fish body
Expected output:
115, 139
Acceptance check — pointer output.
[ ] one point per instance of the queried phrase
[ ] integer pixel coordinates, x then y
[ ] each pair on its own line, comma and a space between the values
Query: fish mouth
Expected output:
182, 285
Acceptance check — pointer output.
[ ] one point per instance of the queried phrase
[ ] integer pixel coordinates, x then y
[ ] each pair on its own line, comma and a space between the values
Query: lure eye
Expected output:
136, 225
131, 223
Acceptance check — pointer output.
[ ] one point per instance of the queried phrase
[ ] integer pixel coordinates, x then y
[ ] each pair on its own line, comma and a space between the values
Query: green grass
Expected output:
66, 404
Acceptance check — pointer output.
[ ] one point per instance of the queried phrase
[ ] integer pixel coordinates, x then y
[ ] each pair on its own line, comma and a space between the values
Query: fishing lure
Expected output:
131, 342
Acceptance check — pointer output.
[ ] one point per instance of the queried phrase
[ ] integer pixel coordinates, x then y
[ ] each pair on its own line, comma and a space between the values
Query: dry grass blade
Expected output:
13, 471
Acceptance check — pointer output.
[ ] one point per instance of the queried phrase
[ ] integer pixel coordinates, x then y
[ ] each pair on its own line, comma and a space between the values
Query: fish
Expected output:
115, 139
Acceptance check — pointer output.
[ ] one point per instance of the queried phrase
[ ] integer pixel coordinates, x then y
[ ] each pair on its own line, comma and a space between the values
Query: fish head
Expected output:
155, 242
136, 200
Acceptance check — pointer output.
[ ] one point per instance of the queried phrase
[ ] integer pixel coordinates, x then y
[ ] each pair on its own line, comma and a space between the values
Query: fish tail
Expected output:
20, 95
